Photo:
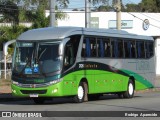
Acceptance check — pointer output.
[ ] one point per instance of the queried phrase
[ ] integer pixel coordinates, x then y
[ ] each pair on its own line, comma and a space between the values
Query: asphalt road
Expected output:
141, 102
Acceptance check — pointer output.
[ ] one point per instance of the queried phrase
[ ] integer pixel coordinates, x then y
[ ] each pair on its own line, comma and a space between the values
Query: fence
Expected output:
9, 66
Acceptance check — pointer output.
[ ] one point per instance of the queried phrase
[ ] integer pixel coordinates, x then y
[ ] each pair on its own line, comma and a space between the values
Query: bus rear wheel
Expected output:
130, 90
81, 93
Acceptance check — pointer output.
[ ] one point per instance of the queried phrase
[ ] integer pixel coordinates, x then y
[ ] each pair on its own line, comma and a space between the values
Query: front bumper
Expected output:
54, 90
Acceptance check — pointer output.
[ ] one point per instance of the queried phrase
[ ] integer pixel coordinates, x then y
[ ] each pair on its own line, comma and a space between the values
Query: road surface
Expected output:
149, 101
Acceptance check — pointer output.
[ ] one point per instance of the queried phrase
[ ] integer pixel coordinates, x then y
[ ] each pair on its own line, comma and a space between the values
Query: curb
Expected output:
148, 90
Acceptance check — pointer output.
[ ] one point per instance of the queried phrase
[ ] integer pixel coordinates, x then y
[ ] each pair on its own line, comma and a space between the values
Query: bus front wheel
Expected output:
81, 93
130, 90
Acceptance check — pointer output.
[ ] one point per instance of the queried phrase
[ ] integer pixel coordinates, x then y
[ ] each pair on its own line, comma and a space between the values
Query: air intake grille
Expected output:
33, 91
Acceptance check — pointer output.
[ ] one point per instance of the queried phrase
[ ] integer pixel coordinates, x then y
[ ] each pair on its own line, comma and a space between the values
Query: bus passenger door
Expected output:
70, 53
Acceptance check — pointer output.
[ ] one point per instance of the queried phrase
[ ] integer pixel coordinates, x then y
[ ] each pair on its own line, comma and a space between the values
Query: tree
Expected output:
133, 8
39, 19
101, 5
106, 5
30, 10
149, 5
104, 8
10, 12
33, 4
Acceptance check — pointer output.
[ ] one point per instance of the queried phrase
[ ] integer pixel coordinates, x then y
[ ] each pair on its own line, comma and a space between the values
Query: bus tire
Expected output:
81, 93
38, 100
130, 90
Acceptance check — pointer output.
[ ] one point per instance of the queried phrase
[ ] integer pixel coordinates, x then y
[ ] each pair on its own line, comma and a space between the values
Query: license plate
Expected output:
33, 95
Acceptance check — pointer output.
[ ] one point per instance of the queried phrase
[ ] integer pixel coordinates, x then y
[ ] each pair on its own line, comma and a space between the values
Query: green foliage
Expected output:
103, 8
25, 13
10, 12
144, 6
133, 8
10, 33
150, 5
45, 3
37, 17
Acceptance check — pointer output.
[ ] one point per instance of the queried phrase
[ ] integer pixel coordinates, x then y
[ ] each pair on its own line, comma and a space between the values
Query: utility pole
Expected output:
52, 13
118, 13
87, 13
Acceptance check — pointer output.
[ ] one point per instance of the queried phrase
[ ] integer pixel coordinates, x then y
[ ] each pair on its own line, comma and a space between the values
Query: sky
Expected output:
81, 3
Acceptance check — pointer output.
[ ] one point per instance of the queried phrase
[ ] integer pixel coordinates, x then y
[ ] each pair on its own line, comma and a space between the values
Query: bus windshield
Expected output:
36, 58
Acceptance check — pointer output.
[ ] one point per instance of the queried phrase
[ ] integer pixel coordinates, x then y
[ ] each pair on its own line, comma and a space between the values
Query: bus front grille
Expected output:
33, 91
34, 85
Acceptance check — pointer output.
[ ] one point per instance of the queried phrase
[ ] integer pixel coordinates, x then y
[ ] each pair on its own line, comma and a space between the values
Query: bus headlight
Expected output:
14, 91
55, 90
15, 83
56, 81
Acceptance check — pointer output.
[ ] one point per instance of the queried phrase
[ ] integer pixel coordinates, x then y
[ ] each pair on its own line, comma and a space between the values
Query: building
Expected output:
137, 23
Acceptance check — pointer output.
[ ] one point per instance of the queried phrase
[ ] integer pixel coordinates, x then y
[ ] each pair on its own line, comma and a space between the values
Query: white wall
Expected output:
76, 18
157, 50
10, 24
73, 19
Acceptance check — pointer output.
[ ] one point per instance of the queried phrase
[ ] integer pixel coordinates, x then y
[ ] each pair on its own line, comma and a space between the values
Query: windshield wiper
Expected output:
28, 61
41, 53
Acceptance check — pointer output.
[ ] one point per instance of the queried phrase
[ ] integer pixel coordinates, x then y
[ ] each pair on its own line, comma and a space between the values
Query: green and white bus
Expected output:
81, 63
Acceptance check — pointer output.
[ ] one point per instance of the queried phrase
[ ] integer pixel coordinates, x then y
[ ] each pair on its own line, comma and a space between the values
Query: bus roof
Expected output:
49, 33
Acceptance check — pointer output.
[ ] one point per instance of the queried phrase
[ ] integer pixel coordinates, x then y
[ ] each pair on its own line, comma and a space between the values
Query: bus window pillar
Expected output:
5, 50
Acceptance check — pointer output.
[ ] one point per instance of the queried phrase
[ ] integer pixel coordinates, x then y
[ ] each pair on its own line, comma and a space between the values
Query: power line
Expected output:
150, 17
143, 15
142, 20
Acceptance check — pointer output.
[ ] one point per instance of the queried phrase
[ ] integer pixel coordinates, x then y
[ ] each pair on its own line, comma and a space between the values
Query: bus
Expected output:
82, 63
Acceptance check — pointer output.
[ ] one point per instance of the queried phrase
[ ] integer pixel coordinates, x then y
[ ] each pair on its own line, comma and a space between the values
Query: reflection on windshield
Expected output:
48, 57
36, 58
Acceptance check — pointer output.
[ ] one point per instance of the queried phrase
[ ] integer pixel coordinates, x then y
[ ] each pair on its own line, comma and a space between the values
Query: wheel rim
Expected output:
80, 92
131, 89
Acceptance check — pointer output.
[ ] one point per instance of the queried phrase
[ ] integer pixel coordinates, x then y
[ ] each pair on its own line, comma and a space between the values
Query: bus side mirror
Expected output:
62, 46
61, 49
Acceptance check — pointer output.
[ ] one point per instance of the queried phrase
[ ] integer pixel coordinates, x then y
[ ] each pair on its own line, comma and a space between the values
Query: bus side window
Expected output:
133, 49
126, 49
93, 47
68, 56
140, 49
100, 46
149, 49
71, 50
86, 48
120, 48
129, 47
107, 48
115, 52
89, 48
